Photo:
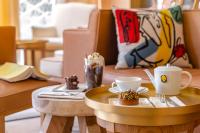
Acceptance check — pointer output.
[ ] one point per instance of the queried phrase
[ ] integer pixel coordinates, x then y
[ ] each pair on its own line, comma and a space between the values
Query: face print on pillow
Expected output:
150, 38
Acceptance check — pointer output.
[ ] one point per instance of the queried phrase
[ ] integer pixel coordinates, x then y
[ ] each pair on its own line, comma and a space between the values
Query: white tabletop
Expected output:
59, 107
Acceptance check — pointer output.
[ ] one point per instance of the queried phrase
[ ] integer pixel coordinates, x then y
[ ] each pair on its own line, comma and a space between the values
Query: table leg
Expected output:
109, 127
42, 53
2, 124
42, 116
82, 124
57, 124
103, 130
87, 124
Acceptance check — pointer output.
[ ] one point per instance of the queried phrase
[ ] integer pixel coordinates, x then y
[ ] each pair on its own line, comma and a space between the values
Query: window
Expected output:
34, 13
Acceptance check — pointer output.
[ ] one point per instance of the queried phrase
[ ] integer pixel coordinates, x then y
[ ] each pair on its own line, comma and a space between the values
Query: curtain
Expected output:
9, 13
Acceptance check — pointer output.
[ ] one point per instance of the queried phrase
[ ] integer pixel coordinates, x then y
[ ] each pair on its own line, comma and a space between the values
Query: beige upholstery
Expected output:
39, 32
102, 38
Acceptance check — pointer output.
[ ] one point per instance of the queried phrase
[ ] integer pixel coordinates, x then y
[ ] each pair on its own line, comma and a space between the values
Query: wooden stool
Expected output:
57, 115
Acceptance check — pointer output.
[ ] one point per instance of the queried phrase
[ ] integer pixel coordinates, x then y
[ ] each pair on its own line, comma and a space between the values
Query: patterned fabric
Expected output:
150, 38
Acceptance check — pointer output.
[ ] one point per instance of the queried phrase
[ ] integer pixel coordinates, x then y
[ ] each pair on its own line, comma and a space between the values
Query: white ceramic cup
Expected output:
127, 83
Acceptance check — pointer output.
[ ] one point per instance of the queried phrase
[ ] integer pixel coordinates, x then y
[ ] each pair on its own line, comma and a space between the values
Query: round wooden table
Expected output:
57, 115
145, 119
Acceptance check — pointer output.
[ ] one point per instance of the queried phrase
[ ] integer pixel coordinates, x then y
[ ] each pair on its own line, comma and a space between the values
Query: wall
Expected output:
9, 13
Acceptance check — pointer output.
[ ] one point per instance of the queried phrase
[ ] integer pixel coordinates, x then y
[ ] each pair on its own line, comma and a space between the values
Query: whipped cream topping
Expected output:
94, 58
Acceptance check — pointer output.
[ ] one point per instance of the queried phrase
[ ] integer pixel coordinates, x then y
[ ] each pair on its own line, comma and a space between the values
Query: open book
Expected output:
12, 72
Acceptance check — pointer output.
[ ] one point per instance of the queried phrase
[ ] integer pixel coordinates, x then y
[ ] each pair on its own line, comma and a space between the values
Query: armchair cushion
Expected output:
71, 16
40, 32
52, 66
58, 53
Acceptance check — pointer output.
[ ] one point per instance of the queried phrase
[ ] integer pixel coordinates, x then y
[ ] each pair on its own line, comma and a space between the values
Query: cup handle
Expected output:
114, 84
189, 81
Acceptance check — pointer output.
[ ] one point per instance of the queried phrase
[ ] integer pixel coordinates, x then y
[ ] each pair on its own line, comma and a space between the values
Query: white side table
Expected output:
57, 115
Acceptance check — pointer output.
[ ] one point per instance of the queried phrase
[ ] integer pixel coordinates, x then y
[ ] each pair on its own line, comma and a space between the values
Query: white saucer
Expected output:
118, 90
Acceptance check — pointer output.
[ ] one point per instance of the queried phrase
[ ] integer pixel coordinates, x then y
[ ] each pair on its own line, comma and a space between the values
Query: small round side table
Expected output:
57, 115
145, 119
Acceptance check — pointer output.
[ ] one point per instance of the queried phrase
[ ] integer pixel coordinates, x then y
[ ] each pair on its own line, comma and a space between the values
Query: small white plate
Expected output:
63, 88
118, 90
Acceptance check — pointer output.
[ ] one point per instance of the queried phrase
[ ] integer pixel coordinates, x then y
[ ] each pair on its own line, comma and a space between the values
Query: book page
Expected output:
13, 72
39, 75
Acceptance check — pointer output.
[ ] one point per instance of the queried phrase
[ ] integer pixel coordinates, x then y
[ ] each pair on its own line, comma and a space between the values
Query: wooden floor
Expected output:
29, 126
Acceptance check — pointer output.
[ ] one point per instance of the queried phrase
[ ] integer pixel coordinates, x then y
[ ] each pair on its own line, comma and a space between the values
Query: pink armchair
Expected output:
73, 17
78, 44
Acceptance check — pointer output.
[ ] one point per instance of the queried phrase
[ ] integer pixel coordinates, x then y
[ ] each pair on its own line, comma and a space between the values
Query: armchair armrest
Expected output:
39, 32
77, 44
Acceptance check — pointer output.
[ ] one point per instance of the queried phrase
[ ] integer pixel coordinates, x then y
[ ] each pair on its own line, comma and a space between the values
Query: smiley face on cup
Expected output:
127, 83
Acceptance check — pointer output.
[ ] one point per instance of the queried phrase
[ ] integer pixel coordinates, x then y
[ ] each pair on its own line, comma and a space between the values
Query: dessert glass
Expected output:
94, 64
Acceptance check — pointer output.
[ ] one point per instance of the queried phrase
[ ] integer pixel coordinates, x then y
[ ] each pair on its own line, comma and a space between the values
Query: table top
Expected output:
30, 44
59, 107
99, 100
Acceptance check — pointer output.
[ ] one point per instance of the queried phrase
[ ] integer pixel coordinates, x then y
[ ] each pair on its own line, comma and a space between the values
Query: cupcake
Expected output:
72, 82
129, 97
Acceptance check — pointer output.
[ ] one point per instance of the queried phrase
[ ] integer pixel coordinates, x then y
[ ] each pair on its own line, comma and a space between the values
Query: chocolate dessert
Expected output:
129, 98
94, 70
72, 82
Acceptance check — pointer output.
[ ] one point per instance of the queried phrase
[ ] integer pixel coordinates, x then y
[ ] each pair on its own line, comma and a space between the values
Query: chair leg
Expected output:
2, 124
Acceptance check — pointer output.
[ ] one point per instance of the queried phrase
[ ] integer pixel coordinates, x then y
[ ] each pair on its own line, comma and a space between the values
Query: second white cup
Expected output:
127, 83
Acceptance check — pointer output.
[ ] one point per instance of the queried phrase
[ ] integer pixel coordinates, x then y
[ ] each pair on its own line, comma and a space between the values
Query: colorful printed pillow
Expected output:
150, 38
